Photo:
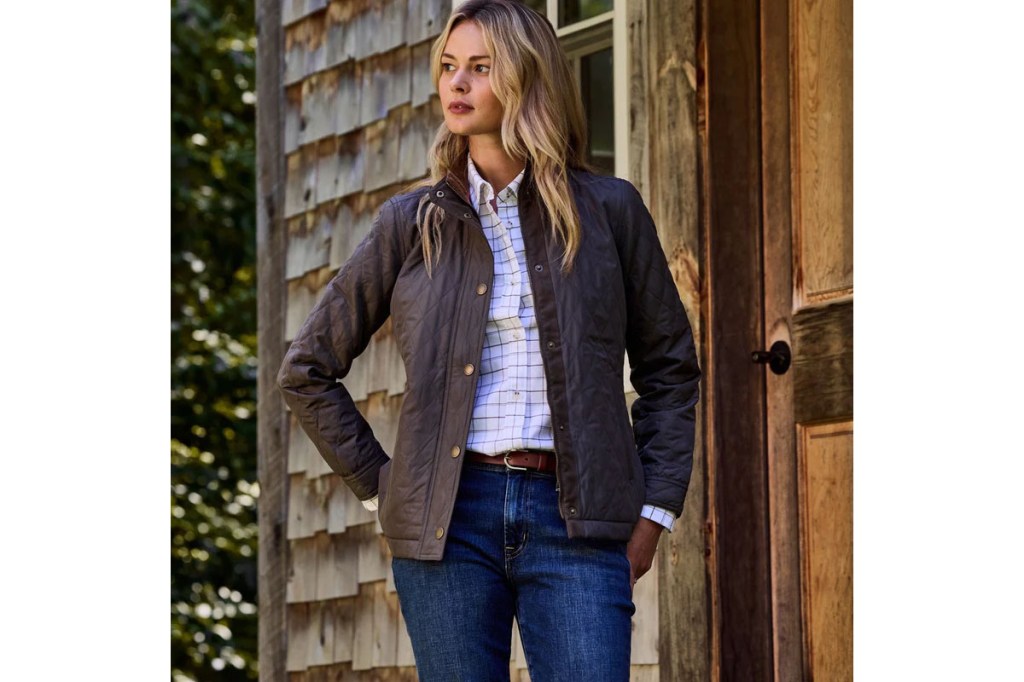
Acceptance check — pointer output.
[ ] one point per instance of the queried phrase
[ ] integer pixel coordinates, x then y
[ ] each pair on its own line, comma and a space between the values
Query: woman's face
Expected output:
470, 106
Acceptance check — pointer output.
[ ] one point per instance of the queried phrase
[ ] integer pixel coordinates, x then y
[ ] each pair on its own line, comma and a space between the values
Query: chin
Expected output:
459, 128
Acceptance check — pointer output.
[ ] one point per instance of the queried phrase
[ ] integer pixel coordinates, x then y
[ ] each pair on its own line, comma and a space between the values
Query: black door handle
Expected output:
777, 358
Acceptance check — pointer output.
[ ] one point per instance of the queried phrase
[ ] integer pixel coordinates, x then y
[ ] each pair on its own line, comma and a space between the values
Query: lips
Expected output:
459, 107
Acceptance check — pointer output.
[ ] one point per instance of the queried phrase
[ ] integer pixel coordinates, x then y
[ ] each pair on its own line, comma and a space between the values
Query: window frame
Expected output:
578, 39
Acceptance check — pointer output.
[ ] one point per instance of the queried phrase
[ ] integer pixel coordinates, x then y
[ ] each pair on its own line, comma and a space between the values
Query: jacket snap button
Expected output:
456, 451
468, 369
572, 512
481, 288
439, 194
551, 344
439, 532
538, 267
466, 214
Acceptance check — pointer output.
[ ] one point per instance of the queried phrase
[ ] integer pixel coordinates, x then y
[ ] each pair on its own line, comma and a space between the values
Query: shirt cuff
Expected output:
371, 504
658, 515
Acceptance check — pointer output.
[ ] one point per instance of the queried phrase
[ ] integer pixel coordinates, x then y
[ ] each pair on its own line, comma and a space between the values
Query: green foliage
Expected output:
213, 341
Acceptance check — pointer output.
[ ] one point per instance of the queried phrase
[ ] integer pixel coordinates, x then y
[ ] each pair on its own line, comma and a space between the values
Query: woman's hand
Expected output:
641, 547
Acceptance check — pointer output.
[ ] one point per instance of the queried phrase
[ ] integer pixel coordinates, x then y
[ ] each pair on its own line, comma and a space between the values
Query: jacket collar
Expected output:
456, 181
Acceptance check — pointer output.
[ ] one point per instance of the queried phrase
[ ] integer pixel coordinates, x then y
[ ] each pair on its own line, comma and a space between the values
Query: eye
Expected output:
445, 66
483, 68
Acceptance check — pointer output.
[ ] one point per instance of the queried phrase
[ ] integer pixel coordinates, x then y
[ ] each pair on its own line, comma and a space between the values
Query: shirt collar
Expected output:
480, 191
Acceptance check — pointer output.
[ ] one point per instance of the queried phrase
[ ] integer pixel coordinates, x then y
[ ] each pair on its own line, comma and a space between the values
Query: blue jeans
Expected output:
508, 555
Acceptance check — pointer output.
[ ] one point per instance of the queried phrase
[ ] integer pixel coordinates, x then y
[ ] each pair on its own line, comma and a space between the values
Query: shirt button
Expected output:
439, 532
481, 288
468, 369
456, 451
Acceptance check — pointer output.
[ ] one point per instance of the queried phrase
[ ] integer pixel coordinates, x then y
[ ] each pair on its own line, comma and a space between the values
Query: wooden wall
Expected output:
347, 113
358, 117
665, 161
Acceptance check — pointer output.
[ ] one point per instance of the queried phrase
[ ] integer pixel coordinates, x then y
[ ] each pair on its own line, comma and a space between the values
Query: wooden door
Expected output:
778, 160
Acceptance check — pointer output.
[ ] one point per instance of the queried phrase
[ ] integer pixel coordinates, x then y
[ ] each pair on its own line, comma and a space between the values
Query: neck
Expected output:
491, 161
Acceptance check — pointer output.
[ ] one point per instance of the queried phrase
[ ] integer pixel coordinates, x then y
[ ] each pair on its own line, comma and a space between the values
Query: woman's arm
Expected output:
355, 304
662, 356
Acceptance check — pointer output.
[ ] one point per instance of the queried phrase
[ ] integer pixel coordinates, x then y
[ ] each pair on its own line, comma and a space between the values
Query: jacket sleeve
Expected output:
662, 358
355, 304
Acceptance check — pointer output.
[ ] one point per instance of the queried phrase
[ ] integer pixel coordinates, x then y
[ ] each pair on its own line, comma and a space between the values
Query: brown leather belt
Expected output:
532, 460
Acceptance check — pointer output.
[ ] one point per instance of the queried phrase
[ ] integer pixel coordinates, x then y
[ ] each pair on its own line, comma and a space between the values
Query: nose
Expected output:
458, 81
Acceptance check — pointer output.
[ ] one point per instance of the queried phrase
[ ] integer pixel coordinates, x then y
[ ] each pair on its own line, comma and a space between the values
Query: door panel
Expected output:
822, 36
826, 521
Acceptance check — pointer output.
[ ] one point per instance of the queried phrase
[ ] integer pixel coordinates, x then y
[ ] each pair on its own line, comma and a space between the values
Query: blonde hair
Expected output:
543, 118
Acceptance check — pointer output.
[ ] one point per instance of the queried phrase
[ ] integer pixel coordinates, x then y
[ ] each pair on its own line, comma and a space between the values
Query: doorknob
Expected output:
777, 358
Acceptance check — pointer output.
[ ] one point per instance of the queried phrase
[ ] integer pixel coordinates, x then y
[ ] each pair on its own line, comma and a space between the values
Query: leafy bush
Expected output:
213, 341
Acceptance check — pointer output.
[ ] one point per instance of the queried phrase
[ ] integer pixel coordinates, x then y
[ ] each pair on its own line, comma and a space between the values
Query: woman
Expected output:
515, 281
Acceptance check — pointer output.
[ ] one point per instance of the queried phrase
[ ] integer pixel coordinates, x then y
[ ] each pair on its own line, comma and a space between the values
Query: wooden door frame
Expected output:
272, 424
755, 635
777, 203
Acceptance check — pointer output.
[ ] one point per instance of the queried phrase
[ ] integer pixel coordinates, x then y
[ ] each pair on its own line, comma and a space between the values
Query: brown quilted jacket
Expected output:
619, 297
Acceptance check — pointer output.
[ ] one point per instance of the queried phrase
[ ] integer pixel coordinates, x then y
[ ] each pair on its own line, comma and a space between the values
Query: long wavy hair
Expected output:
543, 120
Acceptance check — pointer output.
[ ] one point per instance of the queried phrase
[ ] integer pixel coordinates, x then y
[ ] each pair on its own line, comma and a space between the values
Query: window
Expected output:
593, 36
572, 11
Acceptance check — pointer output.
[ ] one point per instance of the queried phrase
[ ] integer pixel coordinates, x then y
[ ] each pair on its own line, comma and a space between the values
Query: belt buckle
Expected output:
512, 466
